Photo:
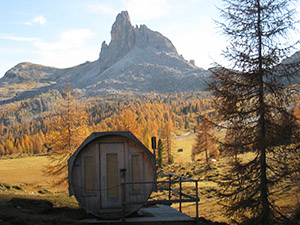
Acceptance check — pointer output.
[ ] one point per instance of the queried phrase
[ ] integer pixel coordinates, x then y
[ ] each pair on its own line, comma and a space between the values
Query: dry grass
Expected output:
208, 205
23, 170
184, 142
27, 172
28, 197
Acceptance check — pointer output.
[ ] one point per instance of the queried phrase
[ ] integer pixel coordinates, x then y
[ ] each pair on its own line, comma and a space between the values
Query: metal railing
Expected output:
174, 195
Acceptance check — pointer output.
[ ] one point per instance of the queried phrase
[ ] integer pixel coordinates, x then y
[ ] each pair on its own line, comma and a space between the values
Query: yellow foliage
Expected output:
67, 130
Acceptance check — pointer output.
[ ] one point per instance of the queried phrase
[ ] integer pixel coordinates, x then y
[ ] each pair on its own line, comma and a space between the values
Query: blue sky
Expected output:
65, 33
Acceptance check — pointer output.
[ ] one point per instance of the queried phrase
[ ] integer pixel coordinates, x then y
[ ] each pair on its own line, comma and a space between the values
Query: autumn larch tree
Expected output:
251, 98
205, 141
67, 131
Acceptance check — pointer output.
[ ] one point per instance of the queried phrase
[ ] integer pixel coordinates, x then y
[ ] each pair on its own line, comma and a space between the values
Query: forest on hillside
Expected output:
144, 115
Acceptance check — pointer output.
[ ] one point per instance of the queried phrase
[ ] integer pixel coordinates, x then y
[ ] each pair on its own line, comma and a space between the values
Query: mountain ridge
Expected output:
137, 59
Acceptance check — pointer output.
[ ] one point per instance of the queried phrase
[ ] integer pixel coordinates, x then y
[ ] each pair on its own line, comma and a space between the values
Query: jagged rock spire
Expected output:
122, 27
124, 37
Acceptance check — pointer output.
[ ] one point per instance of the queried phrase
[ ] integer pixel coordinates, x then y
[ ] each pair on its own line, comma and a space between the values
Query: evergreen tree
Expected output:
2, 151
166, 135
67, 131
160, 149
251, 99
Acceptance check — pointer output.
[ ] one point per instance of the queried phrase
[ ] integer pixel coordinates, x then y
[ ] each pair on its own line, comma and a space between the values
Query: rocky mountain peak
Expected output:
125, 37
122, 27
136, 60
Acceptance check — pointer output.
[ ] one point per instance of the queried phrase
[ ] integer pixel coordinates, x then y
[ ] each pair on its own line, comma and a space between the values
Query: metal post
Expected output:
123, 204
153, 142
180, 191
170, 176
197, 206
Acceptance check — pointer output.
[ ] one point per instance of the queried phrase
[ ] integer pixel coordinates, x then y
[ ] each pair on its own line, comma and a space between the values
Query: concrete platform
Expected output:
155, 215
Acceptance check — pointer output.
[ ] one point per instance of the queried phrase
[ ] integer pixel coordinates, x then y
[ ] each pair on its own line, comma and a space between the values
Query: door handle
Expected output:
122, 173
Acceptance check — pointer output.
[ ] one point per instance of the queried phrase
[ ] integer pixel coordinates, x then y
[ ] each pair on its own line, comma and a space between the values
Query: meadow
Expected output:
27, 195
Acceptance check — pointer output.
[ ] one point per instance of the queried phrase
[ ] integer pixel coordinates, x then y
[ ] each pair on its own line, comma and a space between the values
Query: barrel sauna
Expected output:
101, 164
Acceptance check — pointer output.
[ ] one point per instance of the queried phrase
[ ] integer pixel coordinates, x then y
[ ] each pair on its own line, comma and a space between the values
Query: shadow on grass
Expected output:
25, 211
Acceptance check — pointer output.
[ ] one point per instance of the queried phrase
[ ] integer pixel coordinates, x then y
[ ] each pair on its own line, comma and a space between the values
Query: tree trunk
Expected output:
262, 129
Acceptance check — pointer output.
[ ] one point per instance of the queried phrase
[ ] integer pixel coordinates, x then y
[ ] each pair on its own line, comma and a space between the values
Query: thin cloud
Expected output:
69, 39
27, 23
71, 49
14, 38
38, 19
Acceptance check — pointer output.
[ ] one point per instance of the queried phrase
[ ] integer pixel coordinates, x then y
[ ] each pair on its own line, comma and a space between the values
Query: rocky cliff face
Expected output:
33, 108
125, 37
137, 59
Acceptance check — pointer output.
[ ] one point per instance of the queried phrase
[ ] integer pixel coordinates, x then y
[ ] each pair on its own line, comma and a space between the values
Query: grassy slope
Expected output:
208, 206
27, 181
23, 170
27, 172
183, 166
184, 142
28, 197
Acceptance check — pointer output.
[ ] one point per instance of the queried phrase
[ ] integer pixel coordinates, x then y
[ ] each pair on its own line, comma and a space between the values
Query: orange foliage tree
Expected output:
167, 139
67, 130
205, 141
